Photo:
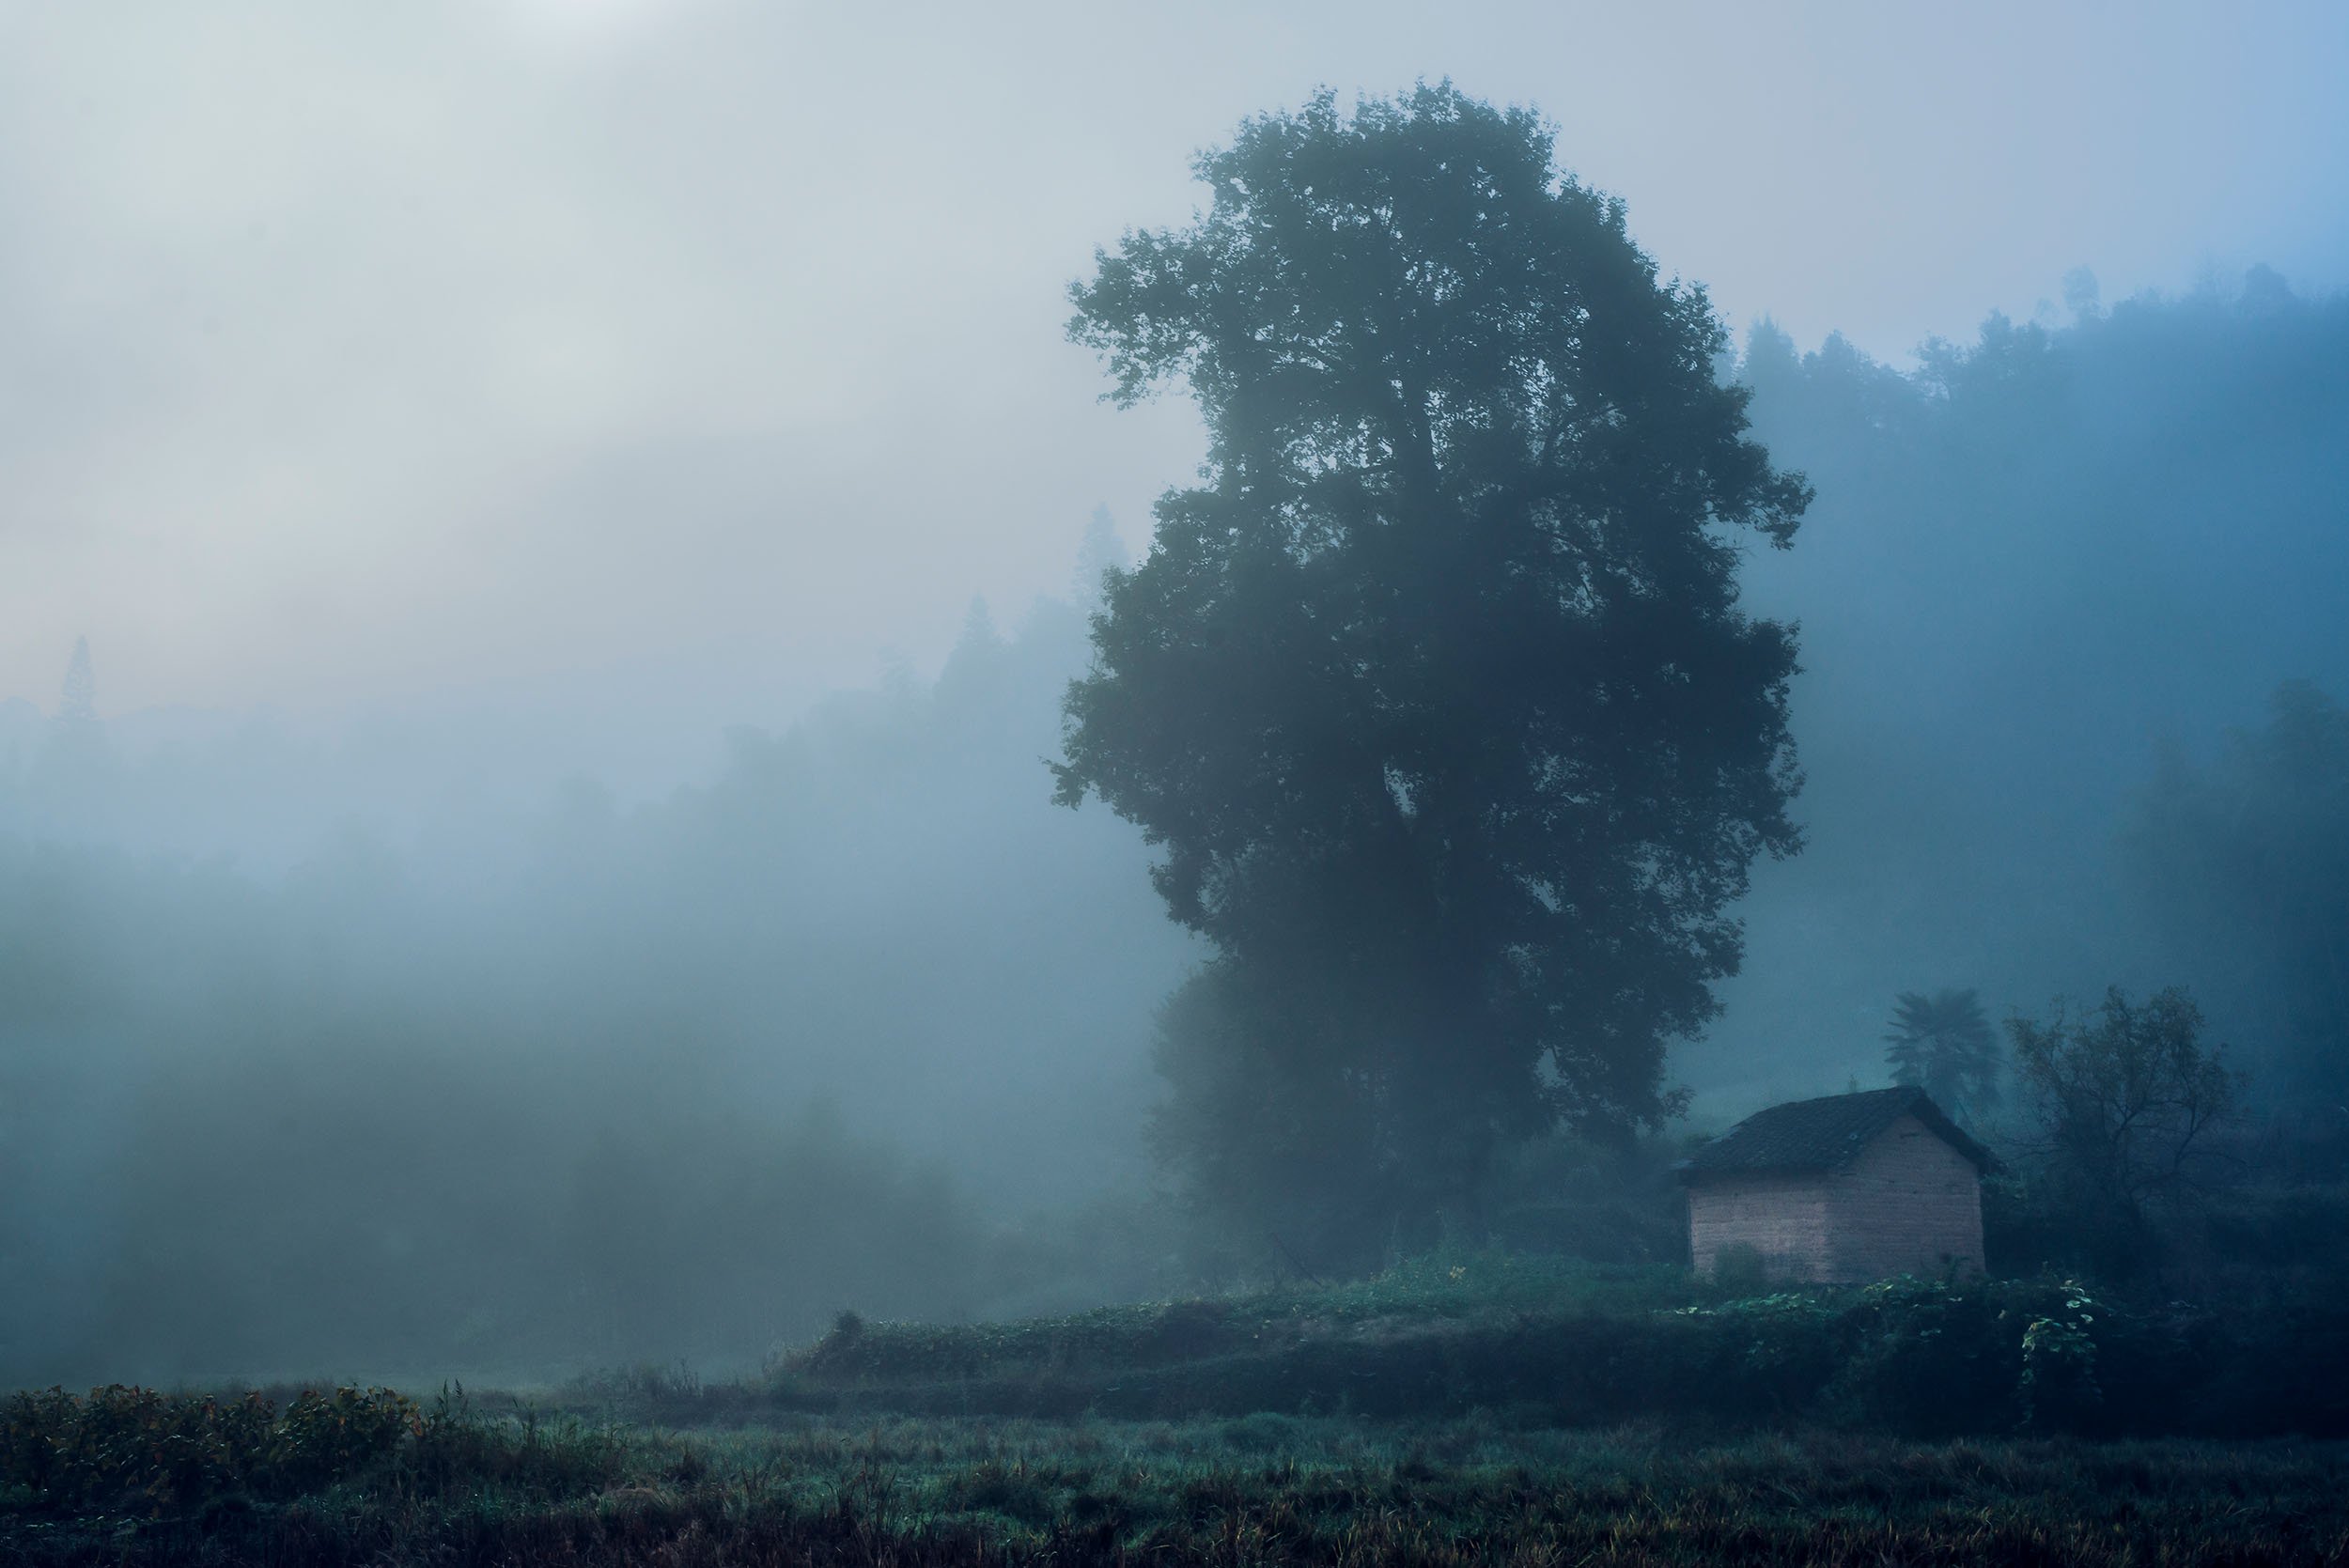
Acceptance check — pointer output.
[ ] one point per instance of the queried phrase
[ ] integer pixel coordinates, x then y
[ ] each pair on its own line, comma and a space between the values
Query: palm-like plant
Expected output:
1943, 1044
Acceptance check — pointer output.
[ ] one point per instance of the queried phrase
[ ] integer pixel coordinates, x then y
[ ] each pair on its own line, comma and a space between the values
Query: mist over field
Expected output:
571, 877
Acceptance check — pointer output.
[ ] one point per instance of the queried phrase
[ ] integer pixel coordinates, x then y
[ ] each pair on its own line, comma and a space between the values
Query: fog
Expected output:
517, 1083
2038, 565
582, 515
531, 350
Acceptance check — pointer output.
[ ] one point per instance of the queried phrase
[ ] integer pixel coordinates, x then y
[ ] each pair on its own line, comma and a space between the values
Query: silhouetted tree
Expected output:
972, 679
2120, 1105
77, 703
1943, 1044
1436, 697
73, 782
1272, 1128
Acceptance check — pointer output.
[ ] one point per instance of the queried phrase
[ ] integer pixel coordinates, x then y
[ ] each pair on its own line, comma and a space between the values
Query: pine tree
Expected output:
77, 704
73, 776
1943, 1044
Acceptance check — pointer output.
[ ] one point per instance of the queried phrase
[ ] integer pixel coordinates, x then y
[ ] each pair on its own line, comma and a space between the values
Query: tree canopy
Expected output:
2124, 1101
1943, 1044
1435, 696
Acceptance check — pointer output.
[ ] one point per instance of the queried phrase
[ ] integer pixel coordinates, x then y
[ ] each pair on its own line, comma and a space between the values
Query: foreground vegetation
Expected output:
123, 1476
1558, 1344
1456, 1409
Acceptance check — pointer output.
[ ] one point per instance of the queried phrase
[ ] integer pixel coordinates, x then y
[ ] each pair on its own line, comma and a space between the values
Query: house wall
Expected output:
1781, 1216
1909, 1205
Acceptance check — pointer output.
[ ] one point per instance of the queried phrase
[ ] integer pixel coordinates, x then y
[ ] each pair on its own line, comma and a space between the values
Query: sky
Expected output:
694, 357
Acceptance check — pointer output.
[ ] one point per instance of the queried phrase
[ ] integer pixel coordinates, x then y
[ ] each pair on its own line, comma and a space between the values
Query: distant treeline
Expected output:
2046, 574
552, 1087
680, 1080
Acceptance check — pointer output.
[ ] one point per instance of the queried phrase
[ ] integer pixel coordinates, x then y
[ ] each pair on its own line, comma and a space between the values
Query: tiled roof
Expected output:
1822, 1135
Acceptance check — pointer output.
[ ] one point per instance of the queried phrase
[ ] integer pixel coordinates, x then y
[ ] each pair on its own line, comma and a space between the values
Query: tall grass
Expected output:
1260, 1488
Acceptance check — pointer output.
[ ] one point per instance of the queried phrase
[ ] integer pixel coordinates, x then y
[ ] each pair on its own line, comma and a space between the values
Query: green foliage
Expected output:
458, 1450
1943, 1044
1929, 1355
2121, 1105
132, 1452
1275, 1490
1556, 1453
1740, 1269
2060, 1360
1448, 1332
1435, 697
1275, 1145
1593, 1200
1434, 1290
2279, 1235
1771, 1353
136, 1451
1261, 1432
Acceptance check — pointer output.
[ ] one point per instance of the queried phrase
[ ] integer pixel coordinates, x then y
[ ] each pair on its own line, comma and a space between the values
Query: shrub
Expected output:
1767, 1352
1929, 1355
1264, 1432
123, 1450
2124, 1102
1740, 1269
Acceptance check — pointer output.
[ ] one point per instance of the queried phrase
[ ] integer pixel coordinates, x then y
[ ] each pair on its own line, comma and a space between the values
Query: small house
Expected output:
1848, 1187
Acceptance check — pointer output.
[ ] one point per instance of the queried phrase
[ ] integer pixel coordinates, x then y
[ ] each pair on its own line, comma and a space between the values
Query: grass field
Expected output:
1252, 1489
1475, 1410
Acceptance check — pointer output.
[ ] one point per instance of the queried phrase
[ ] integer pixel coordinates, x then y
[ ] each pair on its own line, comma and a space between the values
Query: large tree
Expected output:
1435, 696
2120, 1105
